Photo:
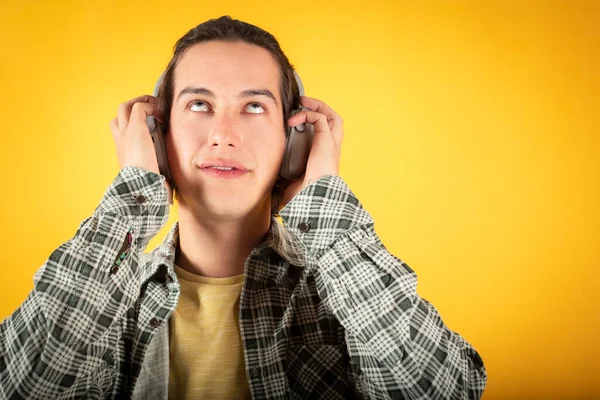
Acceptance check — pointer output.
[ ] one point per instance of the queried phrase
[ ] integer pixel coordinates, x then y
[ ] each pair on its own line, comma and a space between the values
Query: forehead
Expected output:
226, 66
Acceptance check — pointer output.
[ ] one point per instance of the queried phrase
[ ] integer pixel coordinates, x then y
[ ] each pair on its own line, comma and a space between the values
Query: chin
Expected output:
228, 206
227, 200
227, 209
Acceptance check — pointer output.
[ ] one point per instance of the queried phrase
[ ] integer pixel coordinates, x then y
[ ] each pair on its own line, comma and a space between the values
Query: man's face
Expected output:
226, 110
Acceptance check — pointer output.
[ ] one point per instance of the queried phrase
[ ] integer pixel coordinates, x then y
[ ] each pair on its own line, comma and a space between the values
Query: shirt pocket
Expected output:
319, 371
103, 380
102, 366
97, 385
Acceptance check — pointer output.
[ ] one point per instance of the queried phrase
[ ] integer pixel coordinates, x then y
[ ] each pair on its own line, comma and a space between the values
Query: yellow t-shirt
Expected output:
206, 353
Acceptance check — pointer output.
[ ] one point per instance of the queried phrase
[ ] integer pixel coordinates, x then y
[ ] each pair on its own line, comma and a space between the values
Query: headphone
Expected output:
298, 142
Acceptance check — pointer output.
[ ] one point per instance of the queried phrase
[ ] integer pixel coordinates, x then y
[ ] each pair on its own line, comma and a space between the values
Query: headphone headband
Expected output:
158, 83
299, 81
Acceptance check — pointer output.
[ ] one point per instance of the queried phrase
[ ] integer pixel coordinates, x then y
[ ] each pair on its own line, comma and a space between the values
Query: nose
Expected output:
224, 132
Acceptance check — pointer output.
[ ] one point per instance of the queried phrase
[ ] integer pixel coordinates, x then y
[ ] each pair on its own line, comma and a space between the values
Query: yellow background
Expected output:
472, 137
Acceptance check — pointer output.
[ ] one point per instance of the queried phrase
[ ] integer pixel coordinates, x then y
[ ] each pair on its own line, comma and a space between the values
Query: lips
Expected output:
223, 165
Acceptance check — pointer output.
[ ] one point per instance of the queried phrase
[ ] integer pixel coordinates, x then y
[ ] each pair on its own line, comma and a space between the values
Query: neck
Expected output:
217, 248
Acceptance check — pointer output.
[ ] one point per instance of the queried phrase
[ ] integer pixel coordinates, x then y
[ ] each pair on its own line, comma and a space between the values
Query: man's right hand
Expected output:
132, 136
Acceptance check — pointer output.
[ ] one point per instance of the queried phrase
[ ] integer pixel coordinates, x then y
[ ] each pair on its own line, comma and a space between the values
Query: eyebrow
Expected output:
244, 94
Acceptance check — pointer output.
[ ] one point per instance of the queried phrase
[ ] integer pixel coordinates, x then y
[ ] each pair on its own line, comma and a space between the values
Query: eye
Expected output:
199, 106
255, 108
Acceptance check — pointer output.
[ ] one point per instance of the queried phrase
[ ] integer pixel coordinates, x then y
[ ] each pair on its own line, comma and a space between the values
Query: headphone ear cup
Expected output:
297, 149
285, 163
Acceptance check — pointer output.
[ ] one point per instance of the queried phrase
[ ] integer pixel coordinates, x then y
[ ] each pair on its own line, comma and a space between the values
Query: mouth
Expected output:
222, 168
223, 164
226, 169
224, 173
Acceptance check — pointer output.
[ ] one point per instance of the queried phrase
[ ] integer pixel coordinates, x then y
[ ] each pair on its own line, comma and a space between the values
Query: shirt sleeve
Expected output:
397, 339
65, 328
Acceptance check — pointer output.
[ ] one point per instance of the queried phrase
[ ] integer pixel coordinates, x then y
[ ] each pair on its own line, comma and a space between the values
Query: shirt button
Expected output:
140, 199
304, 227
114, 269
154, 322
253, 372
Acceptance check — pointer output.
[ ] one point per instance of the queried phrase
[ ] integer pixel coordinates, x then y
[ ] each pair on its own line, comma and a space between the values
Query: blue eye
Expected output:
255, 108
201, 106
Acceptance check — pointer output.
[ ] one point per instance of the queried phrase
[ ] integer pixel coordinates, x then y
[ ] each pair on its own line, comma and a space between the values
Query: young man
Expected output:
233, 304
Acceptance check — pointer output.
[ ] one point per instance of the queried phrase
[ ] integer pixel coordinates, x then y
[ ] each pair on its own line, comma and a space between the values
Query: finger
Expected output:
334, 128
319, 106
139, 112
319, 120
324, 153
124, 112
323, 140
336, 123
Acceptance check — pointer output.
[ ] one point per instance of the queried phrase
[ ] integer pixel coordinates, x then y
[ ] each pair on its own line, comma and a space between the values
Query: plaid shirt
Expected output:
326, 311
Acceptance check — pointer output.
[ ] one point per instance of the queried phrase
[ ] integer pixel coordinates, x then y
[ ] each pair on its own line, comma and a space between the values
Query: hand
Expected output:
132, 136
324, 158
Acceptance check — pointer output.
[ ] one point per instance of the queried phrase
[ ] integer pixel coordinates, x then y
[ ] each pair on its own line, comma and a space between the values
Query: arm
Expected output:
81, 292
397, 338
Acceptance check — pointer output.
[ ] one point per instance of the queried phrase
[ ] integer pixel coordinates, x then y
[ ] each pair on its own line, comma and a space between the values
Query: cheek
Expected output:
184, 139
271, 149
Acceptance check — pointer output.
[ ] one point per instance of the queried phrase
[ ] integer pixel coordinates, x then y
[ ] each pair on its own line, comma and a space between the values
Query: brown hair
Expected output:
232, 30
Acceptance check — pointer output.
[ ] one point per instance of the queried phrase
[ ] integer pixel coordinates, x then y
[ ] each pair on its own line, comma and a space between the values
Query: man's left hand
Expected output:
324, 158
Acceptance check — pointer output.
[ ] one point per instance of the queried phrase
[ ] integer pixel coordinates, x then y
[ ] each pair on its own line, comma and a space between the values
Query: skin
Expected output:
222, 220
